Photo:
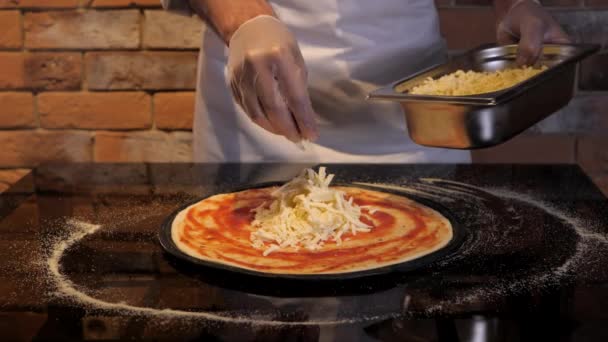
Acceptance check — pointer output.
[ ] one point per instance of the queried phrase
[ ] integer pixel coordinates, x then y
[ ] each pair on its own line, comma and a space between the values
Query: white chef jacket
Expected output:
350, 47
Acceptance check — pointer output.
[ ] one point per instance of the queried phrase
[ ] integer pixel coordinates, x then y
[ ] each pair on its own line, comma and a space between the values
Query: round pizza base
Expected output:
217, 230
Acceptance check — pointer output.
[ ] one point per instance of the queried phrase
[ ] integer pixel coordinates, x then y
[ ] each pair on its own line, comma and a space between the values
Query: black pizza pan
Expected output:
193, 266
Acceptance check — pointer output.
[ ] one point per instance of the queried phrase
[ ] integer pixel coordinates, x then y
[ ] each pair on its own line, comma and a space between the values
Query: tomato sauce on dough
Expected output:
218, 229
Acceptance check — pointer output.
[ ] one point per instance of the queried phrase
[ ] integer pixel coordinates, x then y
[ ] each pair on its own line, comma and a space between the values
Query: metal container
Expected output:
483, 120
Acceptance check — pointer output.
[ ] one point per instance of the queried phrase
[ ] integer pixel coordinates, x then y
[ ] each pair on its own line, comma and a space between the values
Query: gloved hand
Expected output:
529, 24
269, 78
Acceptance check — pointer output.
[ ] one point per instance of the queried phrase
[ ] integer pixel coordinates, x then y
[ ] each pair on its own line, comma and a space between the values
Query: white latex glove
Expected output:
529, 24
269, 78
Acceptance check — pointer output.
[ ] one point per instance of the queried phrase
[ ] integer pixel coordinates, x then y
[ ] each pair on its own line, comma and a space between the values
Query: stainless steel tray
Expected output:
483, 120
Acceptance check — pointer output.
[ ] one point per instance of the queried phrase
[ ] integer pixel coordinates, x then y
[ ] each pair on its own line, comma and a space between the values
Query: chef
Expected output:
275, 73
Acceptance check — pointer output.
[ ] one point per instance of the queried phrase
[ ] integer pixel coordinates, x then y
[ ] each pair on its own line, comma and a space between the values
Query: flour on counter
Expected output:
589, 242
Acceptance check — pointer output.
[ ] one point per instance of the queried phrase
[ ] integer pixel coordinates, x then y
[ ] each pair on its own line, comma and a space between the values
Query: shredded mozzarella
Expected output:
306, 212
470, 82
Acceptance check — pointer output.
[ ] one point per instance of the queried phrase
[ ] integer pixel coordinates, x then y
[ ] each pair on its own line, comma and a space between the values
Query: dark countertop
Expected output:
531, 267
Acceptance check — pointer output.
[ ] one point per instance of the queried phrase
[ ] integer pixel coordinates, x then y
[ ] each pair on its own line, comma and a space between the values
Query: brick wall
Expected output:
94, 80
113, 81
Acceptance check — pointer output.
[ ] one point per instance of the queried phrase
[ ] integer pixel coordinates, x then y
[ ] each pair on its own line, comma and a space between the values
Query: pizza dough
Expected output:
218, 229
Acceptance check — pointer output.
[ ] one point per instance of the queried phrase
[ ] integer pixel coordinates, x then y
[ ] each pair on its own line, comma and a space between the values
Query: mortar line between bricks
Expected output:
79, 8
83, 77
107, 50
18, 128
128, 7
109, 130
141, 30
46, 9
90, 130
148, 91
85, 49
170, 49
152, 111
5, 168
22, 28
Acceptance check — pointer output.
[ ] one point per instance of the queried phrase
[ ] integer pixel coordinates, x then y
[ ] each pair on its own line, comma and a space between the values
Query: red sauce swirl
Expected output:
401, 229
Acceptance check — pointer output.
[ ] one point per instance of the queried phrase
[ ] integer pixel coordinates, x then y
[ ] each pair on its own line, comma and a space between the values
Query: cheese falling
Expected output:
306, 212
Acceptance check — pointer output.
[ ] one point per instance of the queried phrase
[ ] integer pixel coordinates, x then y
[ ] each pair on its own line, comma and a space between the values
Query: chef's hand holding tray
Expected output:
470, 108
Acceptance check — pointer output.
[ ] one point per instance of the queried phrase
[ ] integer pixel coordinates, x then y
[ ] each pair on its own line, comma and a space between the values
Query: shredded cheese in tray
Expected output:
461, 82
306, 212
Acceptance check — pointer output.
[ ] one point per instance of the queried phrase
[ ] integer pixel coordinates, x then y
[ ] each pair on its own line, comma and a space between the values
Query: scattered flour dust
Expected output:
581, 228
585, 245
67, 289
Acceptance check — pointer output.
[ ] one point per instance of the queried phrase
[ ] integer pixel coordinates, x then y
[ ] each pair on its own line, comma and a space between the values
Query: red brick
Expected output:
10, 177
533, 149
16, 110
151, 146
141, 70
114, 110
29, 148
174, 110
592, 156
39, 3
53, 71
82, 30
48, 71
171, 31
594, 72
465, 28
10, 28
12, 74
125, 3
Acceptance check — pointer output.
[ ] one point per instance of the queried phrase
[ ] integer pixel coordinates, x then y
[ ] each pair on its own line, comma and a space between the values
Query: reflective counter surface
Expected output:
80, 259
